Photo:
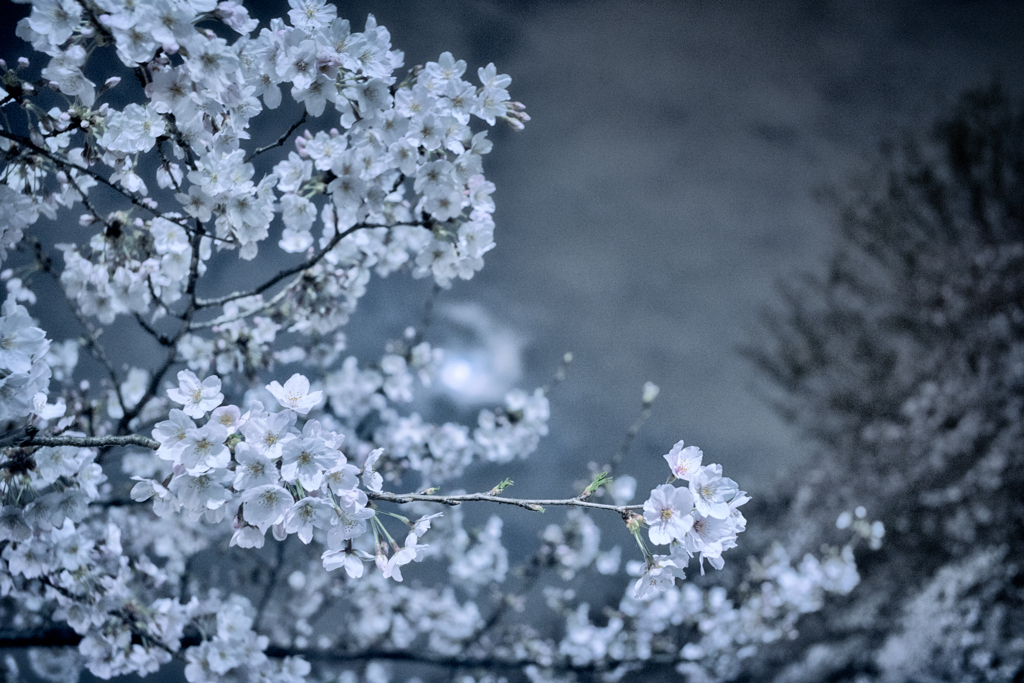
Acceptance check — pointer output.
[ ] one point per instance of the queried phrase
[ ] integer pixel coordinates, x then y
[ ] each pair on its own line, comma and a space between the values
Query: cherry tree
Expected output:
137, 499
903, 363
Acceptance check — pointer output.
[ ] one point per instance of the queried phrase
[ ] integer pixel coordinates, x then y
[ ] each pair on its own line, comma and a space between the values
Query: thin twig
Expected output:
275, 575
224, 319
164, 341
627, 442
92, 334
260, 150
534, 504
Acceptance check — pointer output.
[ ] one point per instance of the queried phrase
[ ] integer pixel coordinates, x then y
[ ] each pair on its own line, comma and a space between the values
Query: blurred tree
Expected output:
904, 363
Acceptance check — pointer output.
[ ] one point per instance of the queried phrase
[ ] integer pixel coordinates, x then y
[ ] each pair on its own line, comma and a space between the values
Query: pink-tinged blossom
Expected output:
422, 525
165, 503
12, 524
55, 19
247, 537
200, 493
351, 500
29, 559
667, 513
268, 432
20, 342
228, 417
349, 524
305, 459
710, 537
658, 577
197, 398
684, 462
53, 463
90, 476
342, 477
403, 556
72, 548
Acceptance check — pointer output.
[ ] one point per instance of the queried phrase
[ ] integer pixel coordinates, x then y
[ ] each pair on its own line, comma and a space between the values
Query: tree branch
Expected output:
224, 319
532, 504
305, 265
52, 636
172, 343
63, 636
87, 441
483, 662
67, 165
535, 504
260, 150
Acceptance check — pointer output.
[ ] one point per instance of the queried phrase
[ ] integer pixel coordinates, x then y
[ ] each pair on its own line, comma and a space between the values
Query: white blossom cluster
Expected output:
719, 631
24, 374
405, 158
272, 473
703, 518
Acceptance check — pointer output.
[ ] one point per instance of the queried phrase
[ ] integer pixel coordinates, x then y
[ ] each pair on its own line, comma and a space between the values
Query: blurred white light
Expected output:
485, 363
457, 374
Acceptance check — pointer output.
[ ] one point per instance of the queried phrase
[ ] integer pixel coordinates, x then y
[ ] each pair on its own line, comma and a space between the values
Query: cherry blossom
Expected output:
295, 394
684, 461
667, 513
197, 398
712, 492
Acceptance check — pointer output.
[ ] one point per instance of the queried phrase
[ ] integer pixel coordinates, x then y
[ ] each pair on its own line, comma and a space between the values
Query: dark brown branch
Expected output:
172, 343
256, 152
150, 330
305, 265
53, 636
63, 636
91, 441
484, 662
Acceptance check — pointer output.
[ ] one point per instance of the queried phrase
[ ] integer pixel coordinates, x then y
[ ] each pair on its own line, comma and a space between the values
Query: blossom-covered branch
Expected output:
535, 505
251, 424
